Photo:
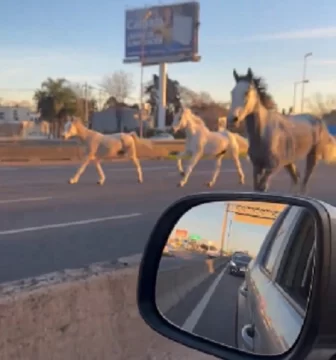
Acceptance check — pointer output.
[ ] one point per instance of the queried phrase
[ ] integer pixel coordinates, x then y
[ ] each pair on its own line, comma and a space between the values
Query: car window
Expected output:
296, 269
272, 252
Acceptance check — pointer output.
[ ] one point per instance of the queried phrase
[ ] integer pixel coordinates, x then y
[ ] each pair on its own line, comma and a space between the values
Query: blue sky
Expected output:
206, 221
83, 41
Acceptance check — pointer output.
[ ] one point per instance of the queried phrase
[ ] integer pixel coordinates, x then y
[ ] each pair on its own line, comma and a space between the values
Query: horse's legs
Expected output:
80, 171
257, 170
294, 175
265, 178
137, 165
218, 164
132, 153
100, 172
192, 162
311, 162
179, 162
236, 160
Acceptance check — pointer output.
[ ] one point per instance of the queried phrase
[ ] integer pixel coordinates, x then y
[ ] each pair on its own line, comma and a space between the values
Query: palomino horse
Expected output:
99, 146
277, 141
201, 141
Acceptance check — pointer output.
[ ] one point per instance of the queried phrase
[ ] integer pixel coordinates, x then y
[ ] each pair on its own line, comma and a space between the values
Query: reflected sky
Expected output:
206, 221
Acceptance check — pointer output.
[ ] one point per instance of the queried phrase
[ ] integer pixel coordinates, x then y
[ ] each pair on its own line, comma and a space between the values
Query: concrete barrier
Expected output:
173, 285
81, 314
45, 149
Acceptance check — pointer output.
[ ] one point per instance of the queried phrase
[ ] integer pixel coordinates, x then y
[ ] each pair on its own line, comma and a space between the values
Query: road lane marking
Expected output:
8, 168
196, 314
201, 172
10, 201
68, 224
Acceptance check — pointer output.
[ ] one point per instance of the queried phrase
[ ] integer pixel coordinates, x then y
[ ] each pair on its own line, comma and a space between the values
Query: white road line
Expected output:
10, 201
68, 224
196, 314
199, 172
8, 169
144, 169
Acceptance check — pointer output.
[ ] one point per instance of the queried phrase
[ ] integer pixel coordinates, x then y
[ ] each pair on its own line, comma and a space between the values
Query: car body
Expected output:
238, 264
270, 314
162, 136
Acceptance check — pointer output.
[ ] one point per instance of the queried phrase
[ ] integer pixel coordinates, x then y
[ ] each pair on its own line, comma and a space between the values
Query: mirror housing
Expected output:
319, 325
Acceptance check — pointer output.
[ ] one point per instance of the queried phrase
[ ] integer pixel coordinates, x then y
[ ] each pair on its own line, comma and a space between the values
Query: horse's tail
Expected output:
329, 150
238, 142
141, 141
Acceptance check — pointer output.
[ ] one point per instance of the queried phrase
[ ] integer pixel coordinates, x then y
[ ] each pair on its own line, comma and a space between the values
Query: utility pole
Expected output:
86, 110
227, 209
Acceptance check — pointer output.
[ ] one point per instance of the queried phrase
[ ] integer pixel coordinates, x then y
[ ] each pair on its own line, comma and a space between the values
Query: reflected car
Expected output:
238, 264
268, 305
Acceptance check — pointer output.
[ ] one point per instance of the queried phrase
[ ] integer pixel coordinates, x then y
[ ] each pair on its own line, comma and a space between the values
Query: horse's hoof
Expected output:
71, 181
242, 182
140, 181
209, 184
180, 185
182, 173
101, 183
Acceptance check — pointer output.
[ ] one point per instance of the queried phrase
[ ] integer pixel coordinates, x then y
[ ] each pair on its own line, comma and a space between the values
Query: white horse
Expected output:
201, 141
99, 146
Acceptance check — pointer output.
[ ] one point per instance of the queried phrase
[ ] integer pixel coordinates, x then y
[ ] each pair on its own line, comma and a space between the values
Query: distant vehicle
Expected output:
238, 264
168, 250
162, 136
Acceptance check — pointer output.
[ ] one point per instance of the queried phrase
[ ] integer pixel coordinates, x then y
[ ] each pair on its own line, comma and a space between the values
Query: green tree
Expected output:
53, 96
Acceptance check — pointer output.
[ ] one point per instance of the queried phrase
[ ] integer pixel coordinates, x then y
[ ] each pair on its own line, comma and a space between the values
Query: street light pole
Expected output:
304, 78
296, 83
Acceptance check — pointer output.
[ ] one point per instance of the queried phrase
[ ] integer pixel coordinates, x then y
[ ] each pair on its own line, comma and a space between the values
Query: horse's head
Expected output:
244, 97
70, 129
181, 119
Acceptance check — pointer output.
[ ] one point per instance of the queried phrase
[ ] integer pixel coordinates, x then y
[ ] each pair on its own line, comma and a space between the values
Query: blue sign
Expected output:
162, 32
332, 129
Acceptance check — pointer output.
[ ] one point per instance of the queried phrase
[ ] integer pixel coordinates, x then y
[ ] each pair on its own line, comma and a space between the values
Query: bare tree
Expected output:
320, 105
118, 85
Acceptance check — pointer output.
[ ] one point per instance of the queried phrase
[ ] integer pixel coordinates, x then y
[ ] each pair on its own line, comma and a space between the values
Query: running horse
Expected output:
99, 146
200, 141
276, 140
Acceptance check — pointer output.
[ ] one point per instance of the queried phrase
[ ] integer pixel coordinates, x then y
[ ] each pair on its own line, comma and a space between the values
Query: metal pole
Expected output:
86, 103
294, 96
224, 228
143, 38
304, 78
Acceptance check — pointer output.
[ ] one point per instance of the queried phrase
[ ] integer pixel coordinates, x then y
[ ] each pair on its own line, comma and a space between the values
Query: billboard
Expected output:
167, 33
181, 233
258, 213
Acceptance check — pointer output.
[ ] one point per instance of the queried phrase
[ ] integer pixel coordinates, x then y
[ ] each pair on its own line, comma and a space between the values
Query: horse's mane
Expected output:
262, 89
197, 119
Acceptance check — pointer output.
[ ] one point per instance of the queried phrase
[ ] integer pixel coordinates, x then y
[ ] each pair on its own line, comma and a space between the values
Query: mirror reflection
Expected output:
239, 273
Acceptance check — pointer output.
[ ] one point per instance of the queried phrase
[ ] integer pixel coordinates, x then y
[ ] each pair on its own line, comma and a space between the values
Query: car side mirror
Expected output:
219, 265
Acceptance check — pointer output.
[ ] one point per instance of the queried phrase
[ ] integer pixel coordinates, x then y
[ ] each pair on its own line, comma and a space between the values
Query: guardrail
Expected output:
45, 149
82, 314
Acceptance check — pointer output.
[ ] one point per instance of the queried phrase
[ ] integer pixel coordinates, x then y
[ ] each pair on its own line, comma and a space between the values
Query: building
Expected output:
14, 114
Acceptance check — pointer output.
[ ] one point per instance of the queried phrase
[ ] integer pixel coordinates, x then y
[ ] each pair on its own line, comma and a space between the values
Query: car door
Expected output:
257, 334
278, 304
244, 316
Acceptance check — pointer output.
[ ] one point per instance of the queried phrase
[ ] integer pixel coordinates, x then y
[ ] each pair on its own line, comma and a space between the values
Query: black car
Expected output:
238, 264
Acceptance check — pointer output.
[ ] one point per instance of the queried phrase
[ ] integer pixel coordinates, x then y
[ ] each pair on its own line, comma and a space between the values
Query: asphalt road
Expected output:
209, 309
48, 225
